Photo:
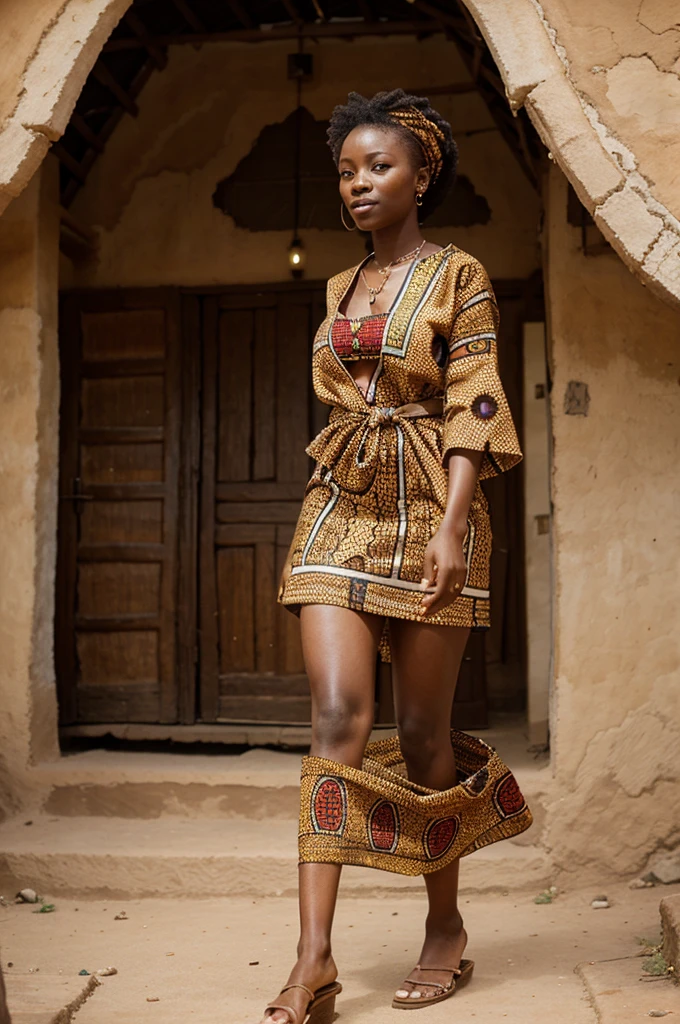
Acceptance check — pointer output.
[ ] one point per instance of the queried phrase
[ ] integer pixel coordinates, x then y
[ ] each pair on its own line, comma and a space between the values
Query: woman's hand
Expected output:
444, 569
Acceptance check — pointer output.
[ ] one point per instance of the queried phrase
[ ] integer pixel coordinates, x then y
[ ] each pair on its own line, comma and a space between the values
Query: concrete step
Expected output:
670, 925
620, 991
259, 784
125, 858
45, 997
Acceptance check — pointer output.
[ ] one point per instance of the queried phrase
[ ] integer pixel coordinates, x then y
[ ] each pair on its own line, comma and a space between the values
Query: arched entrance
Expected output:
158, 625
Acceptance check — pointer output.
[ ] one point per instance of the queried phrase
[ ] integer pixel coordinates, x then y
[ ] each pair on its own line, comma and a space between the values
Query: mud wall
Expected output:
150, 193
616, 446
29, 396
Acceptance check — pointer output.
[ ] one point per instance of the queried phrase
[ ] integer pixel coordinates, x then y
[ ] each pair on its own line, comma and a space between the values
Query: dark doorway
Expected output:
184, 421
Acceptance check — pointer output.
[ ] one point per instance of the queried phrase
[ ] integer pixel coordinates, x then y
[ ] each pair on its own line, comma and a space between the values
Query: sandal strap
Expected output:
428, 984
273, 1007
286, 988
445, 970
293, 1014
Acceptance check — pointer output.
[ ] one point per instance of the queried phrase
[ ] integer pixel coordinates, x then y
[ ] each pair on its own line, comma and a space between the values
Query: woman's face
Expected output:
378, 177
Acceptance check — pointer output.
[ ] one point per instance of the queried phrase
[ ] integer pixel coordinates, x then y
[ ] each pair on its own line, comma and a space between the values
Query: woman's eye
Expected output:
381, 167
345, 174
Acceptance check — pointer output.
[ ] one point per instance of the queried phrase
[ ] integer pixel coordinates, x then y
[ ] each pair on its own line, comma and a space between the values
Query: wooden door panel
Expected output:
118, 524
257, 420
235, 394
121, 463
289, 643
266, 699
144, 336
293, 412
264, 395
236, 596
118, 589
123, 402
121, 522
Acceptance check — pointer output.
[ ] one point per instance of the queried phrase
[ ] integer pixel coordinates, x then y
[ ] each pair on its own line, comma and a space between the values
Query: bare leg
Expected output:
4, 1012
340, 648
426, 662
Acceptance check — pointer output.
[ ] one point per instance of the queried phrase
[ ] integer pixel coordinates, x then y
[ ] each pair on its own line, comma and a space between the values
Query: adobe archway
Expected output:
57, 43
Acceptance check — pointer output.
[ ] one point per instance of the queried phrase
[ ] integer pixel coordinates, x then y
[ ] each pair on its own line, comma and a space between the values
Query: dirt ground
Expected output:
218, 961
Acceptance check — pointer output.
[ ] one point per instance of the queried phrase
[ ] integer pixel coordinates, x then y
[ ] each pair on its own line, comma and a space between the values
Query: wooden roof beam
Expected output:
292, 12
453, 21
242, 14
87, 235
367, 10
69, 162
328, 30
82, 127
116, 113
455, 89
105, 78
189, 15
156, 55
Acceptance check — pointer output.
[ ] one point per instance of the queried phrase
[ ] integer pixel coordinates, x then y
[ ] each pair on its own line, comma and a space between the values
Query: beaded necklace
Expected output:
387, 270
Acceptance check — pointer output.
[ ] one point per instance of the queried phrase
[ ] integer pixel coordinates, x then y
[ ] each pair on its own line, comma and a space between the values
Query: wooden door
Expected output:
183, 426
116, 649
258, 415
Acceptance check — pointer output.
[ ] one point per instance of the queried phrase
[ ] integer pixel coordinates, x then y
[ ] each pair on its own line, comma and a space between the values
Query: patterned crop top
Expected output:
358, 337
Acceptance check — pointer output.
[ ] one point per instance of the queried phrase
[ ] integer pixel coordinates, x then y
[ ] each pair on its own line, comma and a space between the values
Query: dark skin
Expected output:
4, 1011
379, 179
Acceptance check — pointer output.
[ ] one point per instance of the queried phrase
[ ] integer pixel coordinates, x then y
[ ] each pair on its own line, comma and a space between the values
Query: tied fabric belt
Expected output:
350, 444
380, 414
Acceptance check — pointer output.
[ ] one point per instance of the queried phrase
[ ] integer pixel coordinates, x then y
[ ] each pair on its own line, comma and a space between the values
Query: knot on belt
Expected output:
351, 444
380, 414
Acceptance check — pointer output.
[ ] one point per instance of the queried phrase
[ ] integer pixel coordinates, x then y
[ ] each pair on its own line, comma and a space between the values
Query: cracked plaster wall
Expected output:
47, 50
616, 704
150, 193
29, 396
600, 82
611, 133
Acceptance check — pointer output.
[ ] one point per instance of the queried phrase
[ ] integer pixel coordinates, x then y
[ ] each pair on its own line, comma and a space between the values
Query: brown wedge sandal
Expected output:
320, 1009
459, 977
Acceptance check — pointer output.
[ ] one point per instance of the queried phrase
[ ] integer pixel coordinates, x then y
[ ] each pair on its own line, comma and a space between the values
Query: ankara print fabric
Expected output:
378, 492
476, 413
376, 817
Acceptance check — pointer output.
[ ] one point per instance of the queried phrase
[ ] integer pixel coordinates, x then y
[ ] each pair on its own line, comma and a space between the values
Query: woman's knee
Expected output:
342, 722
423, 742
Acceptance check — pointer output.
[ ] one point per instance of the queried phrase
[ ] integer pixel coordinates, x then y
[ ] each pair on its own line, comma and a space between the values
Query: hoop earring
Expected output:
342, 218
419, 198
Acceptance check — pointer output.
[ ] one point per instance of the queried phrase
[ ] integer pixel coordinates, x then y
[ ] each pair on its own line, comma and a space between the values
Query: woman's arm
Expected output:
444, 566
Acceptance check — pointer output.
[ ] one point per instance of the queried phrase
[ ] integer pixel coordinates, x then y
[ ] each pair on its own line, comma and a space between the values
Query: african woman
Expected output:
391, 554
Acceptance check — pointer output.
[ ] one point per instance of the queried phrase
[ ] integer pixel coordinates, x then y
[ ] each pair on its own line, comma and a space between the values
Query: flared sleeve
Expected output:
476, 411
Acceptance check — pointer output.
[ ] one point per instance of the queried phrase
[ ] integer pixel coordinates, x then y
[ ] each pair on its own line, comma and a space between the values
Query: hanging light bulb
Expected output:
296, 257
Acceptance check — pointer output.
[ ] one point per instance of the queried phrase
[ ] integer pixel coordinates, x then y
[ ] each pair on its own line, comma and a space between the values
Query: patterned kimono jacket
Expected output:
378, 493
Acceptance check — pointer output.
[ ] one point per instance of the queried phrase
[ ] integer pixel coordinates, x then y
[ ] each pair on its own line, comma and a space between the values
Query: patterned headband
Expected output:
428, 134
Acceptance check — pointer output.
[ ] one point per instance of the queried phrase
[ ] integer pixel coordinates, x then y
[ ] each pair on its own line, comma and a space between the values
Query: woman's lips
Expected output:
363, 207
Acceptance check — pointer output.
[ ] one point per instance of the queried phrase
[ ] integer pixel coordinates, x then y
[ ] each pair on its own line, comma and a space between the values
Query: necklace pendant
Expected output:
371, 299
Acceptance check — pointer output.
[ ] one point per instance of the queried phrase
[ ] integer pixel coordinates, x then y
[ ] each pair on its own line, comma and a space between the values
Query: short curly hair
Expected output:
376, 111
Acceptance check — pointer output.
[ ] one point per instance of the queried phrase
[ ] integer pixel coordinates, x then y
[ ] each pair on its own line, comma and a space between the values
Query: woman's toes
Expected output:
402, 993
415, 994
